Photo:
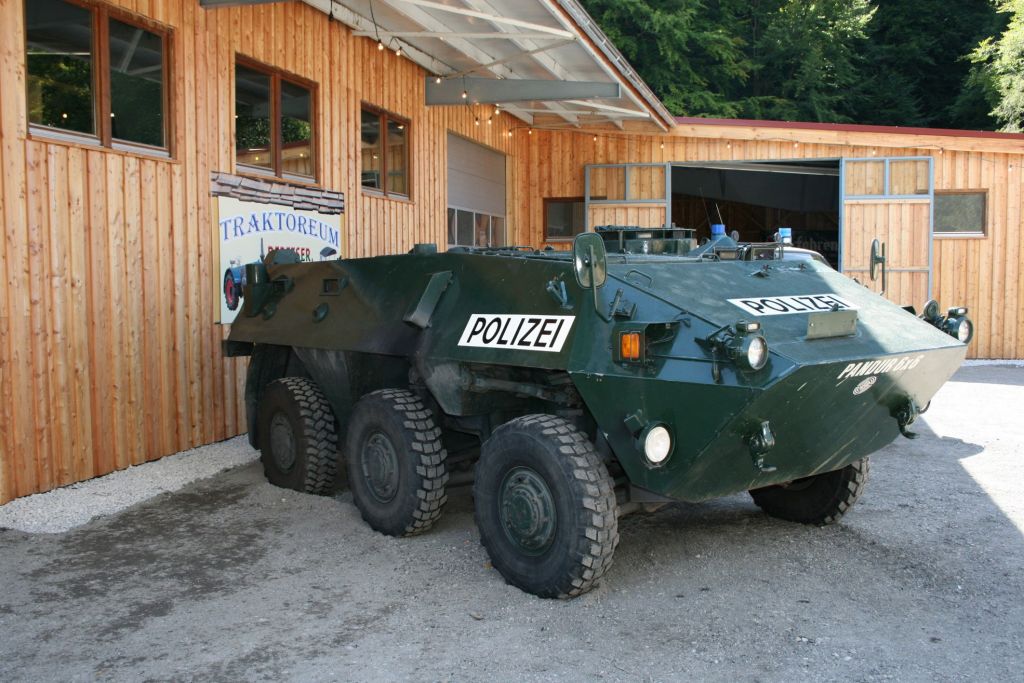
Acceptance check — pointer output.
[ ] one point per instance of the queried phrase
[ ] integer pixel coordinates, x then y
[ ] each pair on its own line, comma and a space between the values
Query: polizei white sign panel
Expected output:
785, 305
517, 332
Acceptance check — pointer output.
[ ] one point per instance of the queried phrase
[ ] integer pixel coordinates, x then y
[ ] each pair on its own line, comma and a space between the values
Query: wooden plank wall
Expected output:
981, 273
902, 225
108, 353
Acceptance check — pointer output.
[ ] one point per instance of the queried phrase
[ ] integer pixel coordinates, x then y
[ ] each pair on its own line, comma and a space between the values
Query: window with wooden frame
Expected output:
384, 152
96, 74
960, 213
563, 218
274, 115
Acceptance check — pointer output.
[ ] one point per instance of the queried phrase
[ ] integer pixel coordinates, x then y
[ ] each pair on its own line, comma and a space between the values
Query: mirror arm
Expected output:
593, 286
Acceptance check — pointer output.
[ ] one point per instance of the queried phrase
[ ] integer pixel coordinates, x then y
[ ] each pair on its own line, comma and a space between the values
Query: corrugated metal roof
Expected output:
512, 39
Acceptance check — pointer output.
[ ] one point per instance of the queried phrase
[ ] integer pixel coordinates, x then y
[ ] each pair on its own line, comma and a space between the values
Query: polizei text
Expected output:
784, 305
520, 332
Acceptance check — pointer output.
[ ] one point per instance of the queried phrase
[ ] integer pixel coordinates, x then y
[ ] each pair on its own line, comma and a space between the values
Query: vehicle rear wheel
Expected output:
231, 294
298, 442
545, 507
396, 463
820, 499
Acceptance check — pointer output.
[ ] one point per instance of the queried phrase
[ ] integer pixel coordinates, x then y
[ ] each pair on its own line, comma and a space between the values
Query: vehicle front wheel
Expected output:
820, 499
298, 442
396, 463
545, 507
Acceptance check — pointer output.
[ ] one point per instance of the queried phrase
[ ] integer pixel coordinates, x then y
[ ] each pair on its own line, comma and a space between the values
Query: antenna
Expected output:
700, 188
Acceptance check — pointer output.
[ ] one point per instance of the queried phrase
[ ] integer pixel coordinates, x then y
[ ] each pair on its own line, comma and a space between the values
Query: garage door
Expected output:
889, 200
476, 194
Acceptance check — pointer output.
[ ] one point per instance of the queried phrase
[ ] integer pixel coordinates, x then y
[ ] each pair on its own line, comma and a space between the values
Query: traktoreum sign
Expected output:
247, 231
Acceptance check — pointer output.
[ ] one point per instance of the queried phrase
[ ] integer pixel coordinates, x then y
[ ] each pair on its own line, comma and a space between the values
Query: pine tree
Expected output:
807, 58
1002, 61
686, 54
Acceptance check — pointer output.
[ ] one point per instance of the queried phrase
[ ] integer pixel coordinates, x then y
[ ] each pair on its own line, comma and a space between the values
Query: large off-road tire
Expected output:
298, 441
545, 507
396, 463
820, 499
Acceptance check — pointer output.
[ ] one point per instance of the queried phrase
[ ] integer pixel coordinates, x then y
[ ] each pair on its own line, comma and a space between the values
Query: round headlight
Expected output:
965, 330
657, 444
757, 352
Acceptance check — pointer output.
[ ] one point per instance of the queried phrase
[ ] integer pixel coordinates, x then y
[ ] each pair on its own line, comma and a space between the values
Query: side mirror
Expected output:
878, 259
590, 260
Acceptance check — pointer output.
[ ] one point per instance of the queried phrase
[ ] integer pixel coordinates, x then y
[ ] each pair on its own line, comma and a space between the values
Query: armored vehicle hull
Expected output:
576, 387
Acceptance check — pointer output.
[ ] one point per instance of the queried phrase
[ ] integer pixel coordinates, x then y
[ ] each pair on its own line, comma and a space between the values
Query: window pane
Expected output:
397, 147
608, 183
297, 130
498, 232
646, 182
960, 213
864, 178
563, 218
60, 62
465, 228
370, 144
136, 84
252, 118
908, 177
482, 230
453, 234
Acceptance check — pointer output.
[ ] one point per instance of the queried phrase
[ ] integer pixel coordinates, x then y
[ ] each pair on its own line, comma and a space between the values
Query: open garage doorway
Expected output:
755, 199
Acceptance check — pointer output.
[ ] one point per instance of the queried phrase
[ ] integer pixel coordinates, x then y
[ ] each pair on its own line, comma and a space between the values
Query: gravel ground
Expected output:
232, 579
65, 508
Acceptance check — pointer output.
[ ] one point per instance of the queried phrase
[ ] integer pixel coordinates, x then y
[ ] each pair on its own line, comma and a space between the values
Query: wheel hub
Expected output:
282, 442
527, 511
380, 467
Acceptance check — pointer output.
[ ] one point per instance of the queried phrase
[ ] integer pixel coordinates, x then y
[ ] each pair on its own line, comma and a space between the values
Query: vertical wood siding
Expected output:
108, 352
981, 273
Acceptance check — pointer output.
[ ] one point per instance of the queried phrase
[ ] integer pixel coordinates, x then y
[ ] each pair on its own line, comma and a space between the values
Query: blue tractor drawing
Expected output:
234, 276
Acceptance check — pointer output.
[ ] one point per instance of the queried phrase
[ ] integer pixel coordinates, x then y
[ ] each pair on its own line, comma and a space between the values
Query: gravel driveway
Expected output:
231, 579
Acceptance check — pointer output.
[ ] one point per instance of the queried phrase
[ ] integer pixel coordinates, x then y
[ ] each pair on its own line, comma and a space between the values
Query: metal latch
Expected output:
905, 416
760, 443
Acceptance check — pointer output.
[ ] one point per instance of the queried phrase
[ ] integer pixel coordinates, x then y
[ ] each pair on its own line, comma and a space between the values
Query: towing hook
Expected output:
760, 443
905, 416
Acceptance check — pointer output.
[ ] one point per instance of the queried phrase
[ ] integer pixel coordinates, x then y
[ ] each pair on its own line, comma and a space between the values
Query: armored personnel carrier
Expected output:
574, 387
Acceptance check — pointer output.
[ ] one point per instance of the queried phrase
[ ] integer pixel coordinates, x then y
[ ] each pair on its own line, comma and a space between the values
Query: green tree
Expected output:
1002, 63
915, 71
807, 58
686, 50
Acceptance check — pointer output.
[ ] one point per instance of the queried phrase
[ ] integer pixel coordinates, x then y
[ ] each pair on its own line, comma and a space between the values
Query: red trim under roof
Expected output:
849, 128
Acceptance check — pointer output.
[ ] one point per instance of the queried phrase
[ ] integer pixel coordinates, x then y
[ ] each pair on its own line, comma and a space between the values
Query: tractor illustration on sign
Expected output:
234, 276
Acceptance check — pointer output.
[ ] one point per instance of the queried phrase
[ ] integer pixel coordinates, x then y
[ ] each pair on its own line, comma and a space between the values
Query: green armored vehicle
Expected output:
572, 388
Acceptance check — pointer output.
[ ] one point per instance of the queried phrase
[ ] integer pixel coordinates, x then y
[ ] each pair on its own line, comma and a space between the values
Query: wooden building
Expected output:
109, 252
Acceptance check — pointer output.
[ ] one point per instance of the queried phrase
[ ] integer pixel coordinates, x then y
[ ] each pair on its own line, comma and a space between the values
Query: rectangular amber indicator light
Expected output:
630, 345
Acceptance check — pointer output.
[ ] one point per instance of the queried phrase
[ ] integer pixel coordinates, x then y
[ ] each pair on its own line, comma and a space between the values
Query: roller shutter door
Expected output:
476, 194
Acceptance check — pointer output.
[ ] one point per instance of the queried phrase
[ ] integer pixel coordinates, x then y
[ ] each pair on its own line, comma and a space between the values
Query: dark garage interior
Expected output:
757, 198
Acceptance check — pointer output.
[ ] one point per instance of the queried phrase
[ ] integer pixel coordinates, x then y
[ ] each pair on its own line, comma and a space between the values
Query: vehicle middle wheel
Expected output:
545, 506
396, 463
298, 441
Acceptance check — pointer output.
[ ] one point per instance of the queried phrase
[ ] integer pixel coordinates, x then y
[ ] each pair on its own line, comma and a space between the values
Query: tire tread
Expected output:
593, 549
321, 438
